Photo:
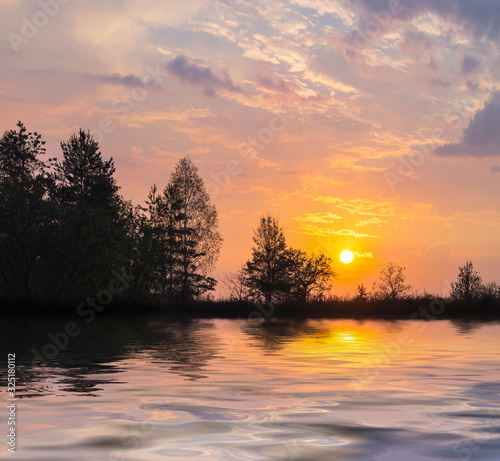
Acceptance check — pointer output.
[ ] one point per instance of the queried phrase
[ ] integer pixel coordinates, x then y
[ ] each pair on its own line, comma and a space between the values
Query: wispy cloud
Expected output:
367, 222
318, 218
261, 189
277, 85
477, 16
202, 75
324, 231
360, 206
363, 254
130, 80
4, 97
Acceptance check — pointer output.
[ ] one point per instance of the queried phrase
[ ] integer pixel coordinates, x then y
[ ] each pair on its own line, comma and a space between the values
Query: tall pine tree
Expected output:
269, 268
191, 232
93, 218
25, 219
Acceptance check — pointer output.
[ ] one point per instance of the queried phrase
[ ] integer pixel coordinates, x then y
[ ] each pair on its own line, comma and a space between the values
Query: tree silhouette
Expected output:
188, 226
491, 291
20, 165
391, 283
361, 293
154, 259
92, 218
83, 175
311, 275
469, 284
268, 269
25, 221
64, 229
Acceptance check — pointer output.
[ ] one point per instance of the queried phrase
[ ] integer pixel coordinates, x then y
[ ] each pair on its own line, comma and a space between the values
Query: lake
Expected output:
154, 389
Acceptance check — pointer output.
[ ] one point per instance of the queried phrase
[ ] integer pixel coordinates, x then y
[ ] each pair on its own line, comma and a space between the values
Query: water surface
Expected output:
235, 390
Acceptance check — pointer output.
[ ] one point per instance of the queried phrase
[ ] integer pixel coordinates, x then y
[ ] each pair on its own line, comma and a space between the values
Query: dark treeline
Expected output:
68, 237
282, 281
66, 234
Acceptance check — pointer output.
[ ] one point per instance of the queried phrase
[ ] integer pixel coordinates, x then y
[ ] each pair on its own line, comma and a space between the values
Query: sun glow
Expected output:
346, 256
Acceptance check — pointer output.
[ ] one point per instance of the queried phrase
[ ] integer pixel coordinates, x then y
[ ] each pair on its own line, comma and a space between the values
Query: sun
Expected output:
346, 256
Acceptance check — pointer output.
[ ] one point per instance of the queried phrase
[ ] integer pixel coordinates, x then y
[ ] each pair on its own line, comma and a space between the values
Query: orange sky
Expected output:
364, 125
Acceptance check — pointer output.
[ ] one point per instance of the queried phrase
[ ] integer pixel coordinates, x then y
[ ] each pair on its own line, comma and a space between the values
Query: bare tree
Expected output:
236, 285
391, 283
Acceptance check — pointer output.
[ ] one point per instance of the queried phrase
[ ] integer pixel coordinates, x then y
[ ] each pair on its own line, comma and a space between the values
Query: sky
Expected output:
367, 125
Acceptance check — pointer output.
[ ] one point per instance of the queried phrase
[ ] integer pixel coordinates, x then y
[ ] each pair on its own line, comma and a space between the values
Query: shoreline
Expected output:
410, 309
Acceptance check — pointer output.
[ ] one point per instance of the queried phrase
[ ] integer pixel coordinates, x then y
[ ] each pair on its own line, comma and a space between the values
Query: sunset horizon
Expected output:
250, 230
368, 131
